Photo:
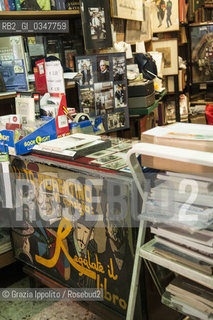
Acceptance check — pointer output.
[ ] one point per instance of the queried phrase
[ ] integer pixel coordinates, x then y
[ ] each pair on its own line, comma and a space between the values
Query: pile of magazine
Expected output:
180, 209
181, 200
189, 297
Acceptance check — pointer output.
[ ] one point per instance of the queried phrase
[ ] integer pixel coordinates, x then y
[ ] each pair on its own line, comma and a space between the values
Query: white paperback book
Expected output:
25, 106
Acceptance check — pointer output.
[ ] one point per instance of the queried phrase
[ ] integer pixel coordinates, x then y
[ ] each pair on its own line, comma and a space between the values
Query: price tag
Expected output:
55, 77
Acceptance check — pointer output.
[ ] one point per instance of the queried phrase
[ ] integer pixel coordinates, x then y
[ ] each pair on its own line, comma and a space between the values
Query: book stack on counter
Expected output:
189, 297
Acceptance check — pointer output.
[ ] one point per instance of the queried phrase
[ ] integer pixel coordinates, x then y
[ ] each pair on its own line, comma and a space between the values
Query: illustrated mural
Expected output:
75, 252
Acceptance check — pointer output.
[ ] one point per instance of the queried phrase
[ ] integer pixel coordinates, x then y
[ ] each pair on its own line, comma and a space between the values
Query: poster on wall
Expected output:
96, 249
103, 89
127, 9
96, 23
165, 15
139, 31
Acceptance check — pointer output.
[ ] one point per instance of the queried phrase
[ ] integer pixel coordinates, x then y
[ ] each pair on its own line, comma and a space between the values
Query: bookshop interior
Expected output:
106, 159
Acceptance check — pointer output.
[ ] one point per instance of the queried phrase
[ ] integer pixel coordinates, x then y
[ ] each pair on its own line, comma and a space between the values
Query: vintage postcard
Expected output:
121, 146
115, 165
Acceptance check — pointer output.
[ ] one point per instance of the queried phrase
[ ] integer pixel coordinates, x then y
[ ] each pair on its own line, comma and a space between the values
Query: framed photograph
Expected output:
103, 73
165, 15
105, 91
96, 23
127, 9
169, 49
201, 53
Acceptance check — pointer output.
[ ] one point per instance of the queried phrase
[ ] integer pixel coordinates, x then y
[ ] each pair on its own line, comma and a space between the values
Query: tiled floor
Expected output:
30, 310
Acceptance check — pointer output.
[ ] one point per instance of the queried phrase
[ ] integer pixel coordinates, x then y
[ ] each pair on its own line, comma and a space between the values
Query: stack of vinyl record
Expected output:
189, 298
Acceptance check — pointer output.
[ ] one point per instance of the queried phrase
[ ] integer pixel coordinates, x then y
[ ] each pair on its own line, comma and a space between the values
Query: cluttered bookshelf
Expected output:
23, 5
178, 209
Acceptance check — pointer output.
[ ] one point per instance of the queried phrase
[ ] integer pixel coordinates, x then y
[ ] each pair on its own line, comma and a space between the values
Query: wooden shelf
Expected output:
210, 5
147, 252
31, 14
197, 24
7, 95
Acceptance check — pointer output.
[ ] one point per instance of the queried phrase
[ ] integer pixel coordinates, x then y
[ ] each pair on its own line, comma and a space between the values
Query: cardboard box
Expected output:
25, 145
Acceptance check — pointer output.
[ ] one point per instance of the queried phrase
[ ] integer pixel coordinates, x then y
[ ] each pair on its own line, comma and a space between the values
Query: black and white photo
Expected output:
103, 90
96, 23
85, 68
103, 73
87, 100
104, 98
116, 120
120, 96
119, 68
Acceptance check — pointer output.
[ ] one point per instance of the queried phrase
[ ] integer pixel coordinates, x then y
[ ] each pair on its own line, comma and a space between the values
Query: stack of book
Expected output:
183, 229
188, 297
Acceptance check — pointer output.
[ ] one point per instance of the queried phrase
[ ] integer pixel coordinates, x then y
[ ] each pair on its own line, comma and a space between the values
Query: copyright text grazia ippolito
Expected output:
46, 294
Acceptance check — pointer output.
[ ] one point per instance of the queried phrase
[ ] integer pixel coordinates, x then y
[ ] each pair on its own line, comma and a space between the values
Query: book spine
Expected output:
52, 4
6, 5
60, 5
12, 5
3, 5
18, 5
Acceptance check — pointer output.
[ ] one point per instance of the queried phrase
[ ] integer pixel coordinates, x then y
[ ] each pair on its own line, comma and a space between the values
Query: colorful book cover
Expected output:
6, 5
35, 5
18, 5
12, 5
60, 5
2, 5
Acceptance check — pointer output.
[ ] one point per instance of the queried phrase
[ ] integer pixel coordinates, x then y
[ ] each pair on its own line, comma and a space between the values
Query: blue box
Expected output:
45, 133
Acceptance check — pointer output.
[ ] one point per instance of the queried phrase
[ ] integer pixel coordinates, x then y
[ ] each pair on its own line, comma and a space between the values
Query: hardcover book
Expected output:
2, 5
12, 5
6, 5
13, 63
60, 5
72, 5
